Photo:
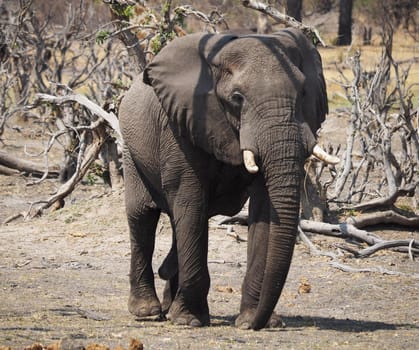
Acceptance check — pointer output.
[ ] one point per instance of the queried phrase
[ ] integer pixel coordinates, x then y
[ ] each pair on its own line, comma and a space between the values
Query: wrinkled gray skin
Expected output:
185, 122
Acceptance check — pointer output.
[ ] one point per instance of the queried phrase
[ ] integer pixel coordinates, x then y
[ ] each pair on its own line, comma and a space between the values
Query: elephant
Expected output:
213, 120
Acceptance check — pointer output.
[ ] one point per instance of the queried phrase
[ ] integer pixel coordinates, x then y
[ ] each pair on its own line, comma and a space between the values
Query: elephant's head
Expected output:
257, 100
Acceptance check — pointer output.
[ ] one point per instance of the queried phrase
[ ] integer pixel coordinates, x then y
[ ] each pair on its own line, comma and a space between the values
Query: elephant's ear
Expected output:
315, 105
306, 57
182, 79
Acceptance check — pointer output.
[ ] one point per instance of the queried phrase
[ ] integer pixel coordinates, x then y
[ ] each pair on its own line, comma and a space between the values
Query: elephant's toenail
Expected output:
244, 325
195, 323
155, 311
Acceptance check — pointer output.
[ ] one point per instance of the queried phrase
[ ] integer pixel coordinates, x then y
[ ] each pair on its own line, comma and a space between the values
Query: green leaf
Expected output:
102, 35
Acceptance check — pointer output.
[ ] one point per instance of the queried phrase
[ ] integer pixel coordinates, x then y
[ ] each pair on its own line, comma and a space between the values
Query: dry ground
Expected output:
64, 277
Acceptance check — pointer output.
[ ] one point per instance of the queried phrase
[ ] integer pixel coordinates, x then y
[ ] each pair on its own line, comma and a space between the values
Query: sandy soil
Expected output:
64, 277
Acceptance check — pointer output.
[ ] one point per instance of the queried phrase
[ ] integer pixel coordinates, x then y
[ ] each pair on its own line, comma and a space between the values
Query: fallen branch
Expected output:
11, 163
14, 217
348, 231
343, 230
351, 231
4, 170
310, 32
83, 164
345, 268
384, 217
379, 269
384, 202
236, 236
313, 249
387, 245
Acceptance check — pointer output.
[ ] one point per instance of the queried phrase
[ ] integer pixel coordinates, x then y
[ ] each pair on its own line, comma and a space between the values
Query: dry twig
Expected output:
310, 32
85, 160
96, 110
348, 231
383, 217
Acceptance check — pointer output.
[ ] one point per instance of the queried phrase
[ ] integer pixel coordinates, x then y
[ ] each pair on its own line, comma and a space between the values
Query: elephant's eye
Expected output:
237, 98
236, 103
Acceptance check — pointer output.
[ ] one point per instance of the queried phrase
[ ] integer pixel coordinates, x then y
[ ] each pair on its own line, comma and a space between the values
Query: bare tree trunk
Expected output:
324, 6
366, 35
112, 174
264, 27
120, 18
294, 8
313, 196
345, 22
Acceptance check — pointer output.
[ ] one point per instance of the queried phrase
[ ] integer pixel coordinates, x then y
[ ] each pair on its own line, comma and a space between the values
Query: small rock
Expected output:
54, 346
95, 346
135, 344
35, 346
305, 286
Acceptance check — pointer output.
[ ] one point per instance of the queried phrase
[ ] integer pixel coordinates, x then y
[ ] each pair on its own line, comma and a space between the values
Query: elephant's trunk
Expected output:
281, 164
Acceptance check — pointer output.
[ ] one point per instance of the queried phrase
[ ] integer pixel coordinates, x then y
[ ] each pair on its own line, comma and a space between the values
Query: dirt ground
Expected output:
64, 277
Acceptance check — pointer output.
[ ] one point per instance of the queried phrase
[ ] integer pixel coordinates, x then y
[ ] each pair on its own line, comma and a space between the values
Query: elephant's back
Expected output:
139, 108
140, 119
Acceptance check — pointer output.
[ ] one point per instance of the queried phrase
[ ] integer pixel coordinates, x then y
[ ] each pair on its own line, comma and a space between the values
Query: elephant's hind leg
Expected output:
142, 221
168, 271
143, 300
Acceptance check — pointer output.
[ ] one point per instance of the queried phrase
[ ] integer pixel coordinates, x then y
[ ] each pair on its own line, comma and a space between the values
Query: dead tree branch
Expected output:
110, 118
378, 142
120, 12
92, 136
379, 269
343, 267
310, 32
85, 160
313, 249
348, 231
11, 163
384, 217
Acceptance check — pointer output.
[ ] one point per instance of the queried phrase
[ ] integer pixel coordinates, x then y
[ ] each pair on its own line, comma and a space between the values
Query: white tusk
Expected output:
249, 162
325, 157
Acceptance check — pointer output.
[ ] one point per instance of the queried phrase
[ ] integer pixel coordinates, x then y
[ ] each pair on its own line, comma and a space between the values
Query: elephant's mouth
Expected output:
318, 152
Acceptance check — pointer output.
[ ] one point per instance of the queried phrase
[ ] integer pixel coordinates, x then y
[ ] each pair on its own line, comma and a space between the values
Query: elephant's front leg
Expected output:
190, 219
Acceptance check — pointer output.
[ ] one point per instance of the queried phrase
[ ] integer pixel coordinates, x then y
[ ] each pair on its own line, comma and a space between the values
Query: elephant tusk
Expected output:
324, 156
249, 162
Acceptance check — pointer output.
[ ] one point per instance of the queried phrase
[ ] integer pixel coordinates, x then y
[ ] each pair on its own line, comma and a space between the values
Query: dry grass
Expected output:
405, 50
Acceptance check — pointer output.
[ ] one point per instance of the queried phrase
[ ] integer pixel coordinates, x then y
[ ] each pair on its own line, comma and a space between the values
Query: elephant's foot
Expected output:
144, 306
275, 321
245, 319
179, 314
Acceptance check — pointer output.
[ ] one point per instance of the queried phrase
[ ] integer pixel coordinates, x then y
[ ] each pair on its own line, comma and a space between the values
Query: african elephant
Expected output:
213, 120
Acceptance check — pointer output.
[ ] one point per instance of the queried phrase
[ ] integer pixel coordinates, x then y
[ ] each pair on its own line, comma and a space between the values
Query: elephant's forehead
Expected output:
260, 52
